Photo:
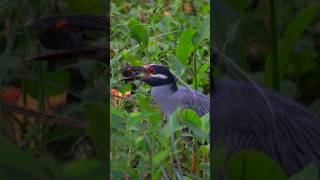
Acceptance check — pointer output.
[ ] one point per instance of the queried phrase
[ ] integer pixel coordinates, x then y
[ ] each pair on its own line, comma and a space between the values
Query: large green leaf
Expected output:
195, 124
96, 124
248, 165
185, 46
54, 83
138, 31
191, 117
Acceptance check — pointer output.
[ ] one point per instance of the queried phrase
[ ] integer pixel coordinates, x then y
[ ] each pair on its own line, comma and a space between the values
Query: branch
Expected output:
47, 117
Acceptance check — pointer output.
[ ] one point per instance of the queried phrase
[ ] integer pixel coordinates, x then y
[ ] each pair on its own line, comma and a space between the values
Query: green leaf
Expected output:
205, 121
203, 32
172, 126
302, 62
159, 157
237, 5
202, 77
191, 117
253, 165
195, 124
291, 34
55, 83
204, 149
96, 124
185, 46
22, 162
87, 6
135, 118
138, 31
84, 169
310, 172
144, 103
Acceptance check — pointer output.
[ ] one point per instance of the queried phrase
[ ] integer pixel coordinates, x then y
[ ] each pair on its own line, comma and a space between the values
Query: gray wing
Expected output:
191, 99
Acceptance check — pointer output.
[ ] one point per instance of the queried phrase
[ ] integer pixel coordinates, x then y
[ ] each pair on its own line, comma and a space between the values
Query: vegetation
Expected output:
54, 111
144, 143
275, 43
53, 114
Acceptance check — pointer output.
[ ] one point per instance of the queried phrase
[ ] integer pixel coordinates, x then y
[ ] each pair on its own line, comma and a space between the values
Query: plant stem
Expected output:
274, 47
195, 71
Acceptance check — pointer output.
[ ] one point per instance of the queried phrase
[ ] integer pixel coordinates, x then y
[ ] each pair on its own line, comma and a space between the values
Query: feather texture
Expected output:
243, 121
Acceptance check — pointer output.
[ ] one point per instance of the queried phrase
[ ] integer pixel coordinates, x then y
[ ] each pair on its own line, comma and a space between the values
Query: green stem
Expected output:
195, 71
42, 103
274, 47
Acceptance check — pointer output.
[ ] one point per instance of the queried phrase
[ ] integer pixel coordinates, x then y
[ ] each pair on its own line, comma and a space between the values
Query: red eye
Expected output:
151, 70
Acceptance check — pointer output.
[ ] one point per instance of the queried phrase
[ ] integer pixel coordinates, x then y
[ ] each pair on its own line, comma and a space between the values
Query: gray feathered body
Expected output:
168, 99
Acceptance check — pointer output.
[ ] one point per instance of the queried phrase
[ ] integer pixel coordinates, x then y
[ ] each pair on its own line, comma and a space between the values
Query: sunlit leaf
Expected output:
205, 121
138, 31
204, 149
159, 157
191, 117
185, 46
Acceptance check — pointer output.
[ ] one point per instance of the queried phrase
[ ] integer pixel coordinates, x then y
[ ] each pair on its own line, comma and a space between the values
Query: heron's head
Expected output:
152, 74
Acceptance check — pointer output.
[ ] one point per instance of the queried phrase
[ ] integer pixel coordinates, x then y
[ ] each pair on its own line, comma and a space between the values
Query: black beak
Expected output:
131, 73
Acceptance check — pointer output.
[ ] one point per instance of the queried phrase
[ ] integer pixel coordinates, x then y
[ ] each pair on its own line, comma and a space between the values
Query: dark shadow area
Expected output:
54, 105
266, 89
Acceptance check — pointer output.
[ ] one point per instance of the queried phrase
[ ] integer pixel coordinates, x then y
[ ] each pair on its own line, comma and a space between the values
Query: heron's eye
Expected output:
151, 70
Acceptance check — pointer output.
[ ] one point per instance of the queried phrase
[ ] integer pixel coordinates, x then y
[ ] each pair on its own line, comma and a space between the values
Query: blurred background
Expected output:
53, 89
244, 44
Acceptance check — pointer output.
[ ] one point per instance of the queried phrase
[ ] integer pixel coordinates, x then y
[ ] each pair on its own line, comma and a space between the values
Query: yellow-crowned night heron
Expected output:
164, 90
246, 117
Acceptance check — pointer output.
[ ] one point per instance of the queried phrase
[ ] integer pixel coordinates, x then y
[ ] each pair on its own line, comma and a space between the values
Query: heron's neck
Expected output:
161, 93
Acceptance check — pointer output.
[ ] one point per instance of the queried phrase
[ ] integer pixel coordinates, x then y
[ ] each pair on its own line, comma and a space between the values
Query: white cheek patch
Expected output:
161, 76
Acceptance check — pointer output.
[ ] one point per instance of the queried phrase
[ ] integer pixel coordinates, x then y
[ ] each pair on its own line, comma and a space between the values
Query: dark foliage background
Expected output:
53, 110
247, 43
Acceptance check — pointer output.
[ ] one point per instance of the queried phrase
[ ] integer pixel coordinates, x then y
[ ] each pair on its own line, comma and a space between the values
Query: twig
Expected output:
46, 117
